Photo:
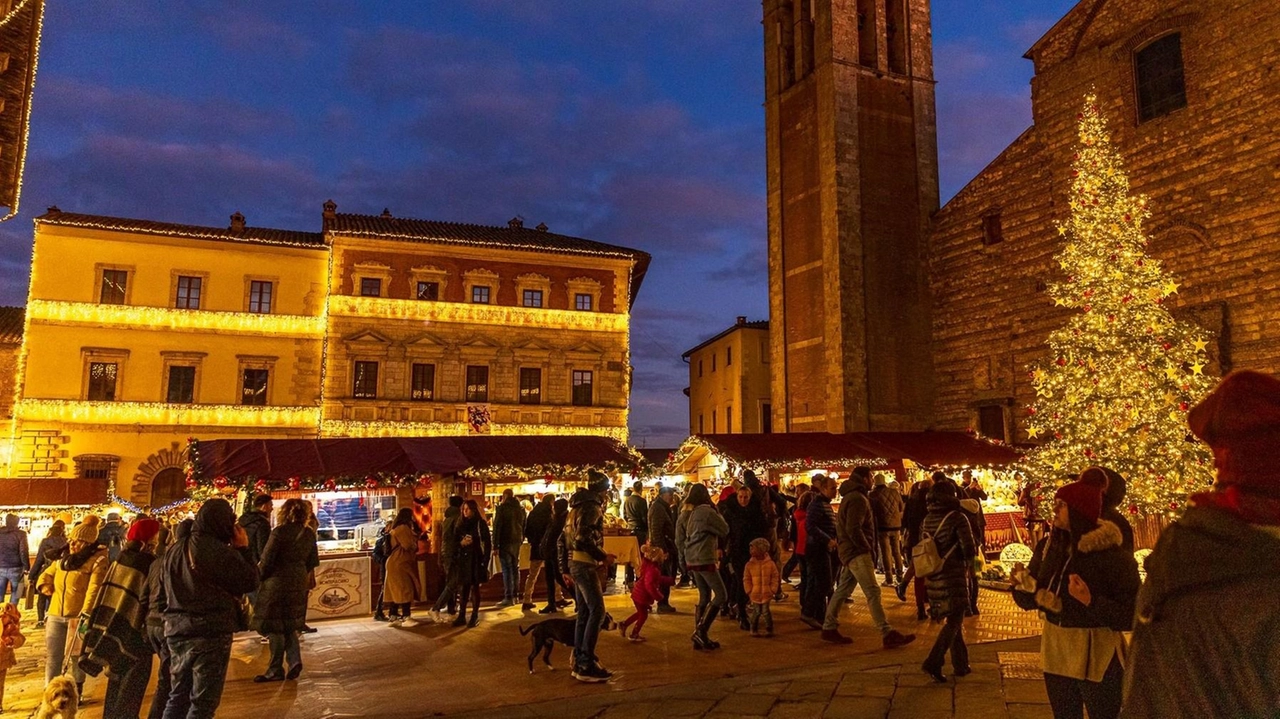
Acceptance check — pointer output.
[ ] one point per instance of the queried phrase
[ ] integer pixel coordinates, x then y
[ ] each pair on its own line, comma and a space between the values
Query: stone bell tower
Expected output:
852, 183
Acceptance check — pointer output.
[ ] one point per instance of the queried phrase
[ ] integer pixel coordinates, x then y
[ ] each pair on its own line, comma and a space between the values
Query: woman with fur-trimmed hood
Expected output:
1086, 584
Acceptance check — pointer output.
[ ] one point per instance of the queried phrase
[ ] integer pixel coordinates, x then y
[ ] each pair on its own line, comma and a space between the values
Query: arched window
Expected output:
168, 486
1158, 77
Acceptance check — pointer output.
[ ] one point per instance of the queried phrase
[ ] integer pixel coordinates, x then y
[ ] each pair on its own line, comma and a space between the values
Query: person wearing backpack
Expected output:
947, 548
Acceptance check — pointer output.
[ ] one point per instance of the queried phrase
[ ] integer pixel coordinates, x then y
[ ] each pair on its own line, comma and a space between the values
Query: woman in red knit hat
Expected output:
1085, 584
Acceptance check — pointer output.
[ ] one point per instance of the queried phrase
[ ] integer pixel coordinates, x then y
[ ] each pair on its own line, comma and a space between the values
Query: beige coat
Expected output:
401, 586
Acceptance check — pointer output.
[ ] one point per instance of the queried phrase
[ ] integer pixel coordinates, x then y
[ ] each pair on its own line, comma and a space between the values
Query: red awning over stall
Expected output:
53, 492
280, 459
940, 449
815, 447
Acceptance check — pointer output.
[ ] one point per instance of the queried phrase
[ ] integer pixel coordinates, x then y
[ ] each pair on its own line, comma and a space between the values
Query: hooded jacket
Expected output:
649, 583
700, 535
1206, 641
258, 526
949, 587
508, 527
449, 537
555, 528
204, 576
913, 514
745, 524
155, 577
584, 530
761, 580
1099, 559
662, 526
13, 546
535, 528
820, 524
111, 536
855, 524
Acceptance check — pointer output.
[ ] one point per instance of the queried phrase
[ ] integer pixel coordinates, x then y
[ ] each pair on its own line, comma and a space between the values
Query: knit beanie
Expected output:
143, 530
1084, 498
86, 531
1240, 421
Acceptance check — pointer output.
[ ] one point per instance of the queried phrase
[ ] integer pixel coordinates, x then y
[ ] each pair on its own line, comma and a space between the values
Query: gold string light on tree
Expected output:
1122, 373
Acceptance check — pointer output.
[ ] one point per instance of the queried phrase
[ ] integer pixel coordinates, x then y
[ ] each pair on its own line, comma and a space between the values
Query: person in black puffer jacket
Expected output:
1085, 585
155, 629
550, 544
948, 588
205, 577
535, 528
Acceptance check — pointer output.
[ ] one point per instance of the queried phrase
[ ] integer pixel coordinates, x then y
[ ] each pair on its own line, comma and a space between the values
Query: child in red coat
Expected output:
10, 639
647, 589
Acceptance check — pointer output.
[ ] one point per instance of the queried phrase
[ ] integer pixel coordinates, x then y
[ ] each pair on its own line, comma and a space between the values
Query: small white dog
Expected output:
60, 699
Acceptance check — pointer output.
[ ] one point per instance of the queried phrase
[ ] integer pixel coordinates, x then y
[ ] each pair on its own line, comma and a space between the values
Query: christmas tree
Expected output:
1122, 374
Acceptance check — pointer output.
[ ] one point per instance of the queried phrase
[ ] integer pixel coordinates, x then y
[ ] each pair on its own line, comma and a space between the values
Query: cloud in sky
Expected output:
637, 122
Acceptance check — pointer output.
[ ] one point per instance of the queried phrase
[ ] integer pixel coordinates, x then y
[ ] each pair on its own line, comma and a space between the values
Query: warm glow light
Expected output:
462, 312
160, 413
1122, 372
168, 318
355, 428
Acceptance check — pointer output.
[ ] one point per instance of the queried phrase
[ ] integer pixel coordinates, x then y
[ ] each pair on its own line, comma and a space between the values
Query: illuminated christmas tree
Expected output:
1122, 373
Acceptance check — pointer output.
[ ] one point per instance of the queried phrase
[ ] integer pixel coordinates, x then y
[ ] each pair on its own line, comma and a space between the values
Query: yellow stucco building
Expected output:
142, 334
729, 381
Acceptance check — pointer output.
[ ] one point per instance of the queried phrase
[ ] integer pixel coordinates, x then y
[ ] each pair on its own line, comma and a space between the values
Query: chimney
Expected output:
53, 210
237, 222
386, 213
742, 320
542, 227
516, 222
329, 215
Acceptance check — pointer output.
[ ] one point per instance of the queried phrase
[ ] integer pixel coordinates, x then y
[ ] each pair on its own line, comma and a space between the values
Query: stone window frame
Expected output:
429, 273
534, 282
595, 398
480, 277
372, 271
266, 362
584, 286
379, 376
1127, 52
488, 381
542, 383
179, 358
131, 277
275, 292
108, 464
1004, 404
175, 275
91, 355
992, 218
413, 363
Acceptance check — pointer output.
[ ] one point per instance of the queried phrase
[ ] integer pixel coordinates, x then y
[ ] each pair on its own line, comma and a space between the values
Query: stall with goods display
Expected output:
39, 502
357, 484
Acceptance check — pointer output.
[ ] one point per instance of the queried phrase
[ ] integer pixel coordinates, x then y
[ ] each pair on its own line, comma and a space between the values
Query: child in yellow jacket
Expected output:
761, 581
10, 639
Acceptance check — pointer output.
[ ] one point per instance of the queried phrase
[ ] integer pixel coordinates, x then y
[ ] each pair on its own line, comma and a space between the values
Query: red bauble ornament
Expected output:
330, 484
1133, 509
1111, 318
260, 486
1088, 307
1184, 406
1062, 362
191, 484
294, 484
371, 482
220, 482
1031, 410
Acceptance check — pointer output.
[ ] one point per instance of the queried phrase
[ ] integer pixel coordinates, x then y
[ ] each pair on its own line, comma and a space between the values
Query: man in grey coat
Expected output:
855, 537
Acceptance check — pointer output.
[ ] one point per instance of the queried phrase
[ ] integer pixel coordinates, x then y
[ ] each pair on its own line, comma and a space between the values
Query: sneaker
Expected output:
409, 622
40, 624
592, 675
395, 622
636, 639
308, 630
835, 637
264, 640
895, 639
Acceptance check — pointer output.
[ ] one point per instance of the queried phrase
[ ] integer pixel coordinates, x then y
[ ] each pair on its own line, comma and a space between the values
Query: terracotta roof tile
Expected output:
11, 321
258, 235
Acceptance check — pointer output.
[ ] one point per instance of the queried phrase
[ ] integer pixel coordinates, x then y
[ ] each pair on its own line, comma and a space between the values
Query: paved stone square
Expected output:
357, 667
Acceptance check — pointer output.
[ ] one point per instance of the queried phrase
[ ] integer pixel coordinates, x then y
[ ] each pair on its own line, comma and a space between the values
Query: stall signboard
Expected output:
342, 588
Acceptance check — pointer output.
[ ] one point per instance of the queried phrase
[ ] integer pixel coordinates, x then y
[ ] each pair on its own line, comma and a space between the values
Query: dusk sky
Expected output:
631, 122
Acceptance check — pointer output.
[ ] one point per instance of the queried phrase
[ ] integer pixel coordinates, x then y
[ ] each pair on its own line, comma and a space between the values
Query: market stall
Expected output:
41, 501
359, 483
715, 459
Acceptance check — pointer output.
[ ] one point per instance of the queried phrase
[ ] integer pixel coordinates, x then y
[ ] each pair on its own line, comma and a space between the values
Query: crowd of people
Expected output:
124, 598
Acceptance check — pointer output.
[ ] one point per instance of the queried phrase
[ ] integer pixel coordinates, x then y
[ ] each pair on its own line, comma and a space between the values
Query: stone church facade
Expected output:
1188, 90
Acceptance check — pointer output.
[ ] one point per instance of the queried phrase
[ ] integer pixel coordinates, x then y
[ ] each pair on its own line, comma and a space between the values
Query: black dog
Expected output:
547, 632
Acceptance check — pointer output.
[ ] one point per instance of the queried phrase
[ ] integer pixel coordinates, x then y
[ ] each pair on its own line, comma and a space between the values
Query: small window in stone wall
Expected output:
1159, 79
96, 466
991, 422
992, 229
